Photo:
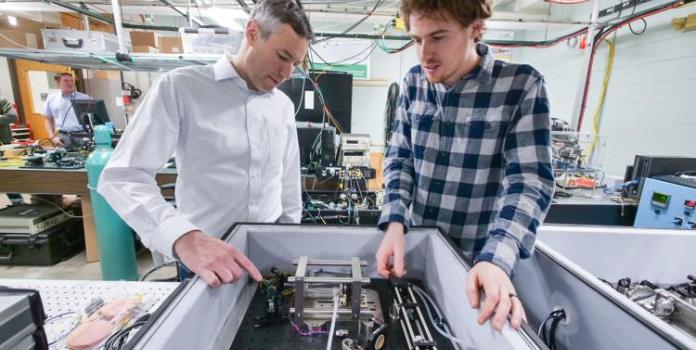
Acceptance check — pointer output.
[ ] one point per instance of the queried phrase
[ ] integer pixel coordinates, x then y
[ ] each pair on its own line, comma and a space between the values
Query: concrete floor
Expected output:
77, 267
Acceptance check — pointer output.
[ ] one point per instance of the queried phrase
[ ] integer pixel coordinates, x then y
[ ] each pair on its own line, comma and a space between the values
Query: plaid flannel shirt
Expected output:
473, 159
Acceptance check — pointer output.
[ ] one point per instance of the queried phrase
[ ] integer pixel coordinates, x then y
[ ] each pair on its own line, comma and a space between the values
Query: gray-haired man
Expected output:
236, 148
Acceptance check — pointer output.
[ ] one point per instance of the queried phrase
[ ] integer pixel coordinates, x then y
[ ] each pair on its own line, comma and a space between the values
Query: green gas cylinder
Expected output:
114, 237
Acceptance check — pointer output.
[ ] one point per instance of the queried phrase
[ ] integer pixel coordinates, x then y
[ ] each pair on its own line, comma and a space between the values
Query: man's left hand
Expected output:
501, 298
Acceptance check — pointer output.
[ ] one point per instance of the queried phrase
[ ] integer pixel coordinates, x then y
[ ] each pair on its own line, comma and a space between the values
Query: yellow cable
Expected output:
602, 98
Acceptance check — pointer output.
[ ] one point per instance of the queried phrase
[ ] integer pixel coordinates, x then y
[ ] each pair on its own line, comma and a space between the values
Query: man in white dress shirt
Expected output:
61, 120
236, 148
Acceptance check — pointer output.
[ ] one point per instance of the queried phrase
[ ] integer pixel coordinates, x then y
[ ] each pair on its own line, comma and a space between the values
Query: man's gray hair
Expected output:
269, 14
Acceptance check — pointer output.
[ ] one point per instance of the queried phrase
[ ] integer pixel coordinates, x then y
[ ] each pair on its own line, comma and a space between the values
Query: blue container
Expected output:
115, 238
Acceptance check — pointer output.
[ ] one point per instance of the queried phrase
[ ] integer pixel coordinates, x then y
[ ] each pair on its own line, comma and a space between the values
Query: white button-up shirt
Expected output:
236, 152
59, 107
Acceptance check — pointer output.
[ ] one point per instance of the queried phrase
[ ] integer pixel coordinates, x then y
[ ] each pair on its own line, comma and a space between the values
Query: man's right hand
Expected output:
213, 260
57, 141
392, 246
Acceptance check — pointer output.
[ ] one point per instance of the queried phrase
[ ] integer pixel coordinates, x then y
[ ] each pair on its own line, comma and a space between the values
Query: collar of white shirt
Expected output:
223, 69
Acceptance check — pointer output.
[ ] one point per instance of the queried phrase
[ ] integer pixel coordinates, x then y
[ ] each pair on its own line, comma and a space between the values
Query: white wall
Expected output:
142, 81
651, 99
370, 98
41, 86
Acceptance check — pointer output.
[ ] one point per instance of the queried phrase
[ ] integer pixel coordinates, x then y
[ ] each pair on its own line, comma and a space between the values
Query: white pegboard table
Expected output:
63, 296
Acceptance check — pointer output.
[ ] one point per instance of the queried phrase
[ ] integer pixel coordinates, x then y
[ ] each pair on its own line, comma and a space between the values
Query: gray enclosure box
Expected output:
198, 317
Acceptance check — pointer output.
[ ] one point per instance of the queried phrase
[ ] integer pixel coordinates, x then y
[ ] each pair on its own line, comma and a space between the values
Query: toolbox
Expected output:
48, 247
81, 40
31, 219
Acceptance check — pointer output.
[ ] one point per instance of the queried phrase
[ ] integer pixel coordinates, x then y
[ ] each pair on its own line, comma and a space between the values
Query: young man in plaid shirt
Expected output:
470, 153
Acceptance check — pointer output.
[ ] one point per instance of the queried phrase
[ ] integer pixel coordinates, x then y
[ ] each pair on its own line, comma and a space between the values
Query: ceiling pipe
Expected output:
244, 5
105, 19
362, 36
186, 15
108, 20
510, 43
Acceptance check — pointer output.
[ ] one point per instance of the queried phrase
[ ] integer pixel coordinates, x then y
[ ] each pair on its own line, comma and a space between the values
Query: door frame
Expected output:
35, 119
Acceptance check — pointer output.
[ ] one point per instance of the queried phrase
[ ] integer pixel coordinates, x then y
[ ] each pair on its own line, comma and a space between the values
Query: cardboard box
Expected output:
23, 26
169, 44
23, 39
144, 39
145, 49
690, 23
106, 75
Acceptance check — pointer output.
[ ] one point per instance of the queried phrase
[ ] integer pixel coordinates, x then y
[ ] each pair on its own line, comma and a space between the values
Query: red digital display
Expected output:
691, 204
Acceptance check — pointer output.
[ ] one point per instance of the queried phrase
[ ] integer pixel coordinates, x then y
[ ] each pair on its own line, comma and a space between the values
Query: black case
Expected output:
49, 247
38, 314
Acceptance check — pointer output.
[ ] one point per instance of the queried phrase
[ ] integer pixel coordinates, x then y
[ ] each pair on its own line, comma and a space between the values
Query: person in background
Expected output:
470, 153
236, 146
61, 120
6, 118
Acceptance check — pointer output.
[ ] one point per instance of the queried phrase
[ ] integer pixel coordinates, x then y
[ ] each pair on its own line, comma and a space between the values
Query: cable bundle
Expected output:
551, 322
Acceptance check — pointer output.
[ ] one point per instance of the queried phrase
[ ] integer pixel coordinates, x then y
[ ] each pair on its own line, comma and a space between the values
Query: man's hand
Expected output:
392, 246
214, 260
501, 298
57, 141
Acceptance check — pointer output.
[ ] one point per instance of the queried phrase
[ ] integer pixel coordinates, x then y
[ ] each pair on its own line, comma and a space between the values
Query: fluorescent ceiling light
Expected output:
227, 17
12, 20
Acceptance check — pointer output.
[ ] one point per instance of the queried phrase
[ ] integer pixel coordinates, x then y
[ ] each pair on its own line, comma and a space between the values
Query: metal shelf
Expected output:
143, 62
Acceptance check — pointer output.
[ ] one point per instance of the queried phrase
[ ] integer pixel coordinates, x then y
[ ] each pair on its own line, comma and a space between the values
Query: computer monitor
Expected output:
317, 144
307, 138
337, 89
90, 112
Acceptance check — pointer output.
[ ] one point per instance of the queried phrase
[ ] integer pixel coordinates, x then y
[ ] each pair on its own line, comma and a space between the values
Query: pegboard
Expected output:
64, 297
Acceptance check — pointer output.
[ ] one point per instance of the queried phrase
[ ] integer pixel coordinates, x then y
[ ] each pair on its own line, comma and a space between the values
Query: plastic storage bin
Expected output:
210, 40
